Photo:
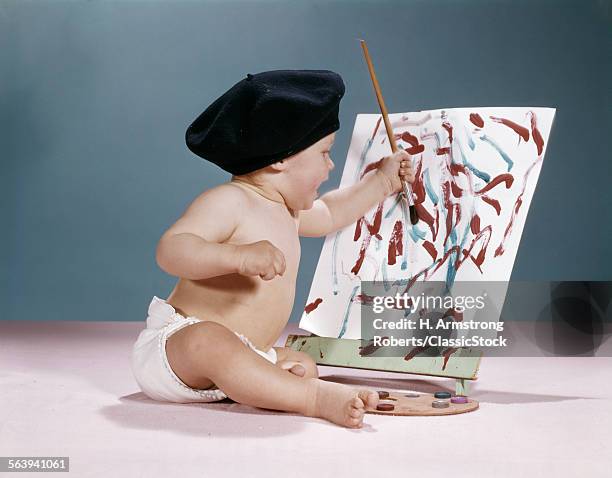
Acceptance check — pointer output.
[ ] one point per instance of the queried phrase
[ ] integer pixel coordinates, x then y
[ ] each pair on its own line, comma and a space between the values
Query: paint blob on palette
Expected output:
476, 172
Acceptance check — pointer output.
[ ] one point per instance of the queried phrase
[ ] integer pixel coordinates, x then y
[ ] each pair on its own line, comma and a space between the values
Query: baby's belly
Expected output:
250, 306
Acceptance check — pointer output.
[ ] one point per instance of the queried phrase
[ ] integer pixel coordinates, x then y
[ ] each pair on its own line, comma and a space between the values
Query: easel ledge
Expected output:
461, 365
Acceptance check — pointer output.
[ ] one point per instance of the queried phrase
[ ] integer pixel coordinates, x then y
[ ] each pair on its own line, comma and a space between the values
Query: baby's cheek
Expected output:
309, 185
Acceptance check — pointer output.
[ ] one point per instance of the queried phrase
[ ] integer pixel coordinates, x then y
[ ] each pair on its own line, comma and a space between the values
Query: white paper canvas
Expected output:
476, 172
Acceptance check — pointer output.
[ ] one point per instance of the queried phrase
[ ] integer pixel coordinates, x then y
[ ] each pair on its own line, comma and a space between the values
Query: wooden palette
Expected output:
421, 405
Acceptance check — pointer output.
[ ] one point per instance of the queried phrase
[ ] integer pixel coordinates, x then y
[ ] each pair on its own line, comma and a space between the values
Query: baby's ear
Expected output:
279, 165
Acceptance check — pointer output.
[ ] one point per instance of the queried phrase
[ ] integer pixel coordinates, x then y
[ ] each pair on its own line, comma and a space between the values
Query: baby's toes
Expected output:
369, 398
357, 403
355, 422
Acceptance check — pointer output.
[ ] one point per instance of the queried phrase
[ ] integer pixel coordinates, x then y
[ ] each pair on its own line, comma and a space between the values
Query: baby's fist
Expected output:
396, 168
261, 259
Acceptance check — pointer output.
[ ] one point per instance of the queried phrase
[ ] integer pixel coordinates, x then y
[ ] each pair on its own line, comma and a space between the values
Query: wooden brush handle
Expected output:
383, 109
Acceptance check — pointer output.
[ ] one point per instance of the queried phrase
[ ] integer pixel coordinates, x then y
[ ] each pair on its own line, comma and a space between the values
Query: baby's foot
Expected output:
341, 404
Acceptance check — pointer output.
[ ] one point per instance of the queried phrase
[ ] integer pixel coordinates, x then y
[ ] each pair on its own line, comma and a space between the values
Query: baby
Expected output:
236, 251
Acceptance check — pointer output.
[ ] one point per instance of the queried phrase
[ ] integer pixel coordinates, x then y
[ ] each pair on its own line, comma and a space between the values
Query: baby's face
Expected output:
306, 171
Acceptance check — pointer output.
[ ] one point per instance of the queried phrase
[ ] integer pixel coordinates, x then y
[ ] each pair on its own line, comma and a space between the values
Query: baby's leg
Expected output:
208, 351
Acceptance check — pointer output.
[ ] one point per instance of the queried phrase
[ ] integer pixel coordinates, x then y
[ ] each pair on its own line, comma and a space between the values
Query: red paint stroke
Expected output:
505, 177
370, 348
442, 151
414, 278
426, 272
446, 354
449, 129
517, 205
492, 202
535, 133
444, 258
476, 120
429, 247
313, 305
426, 217
456, 190
418, 187
517, 128
363, 299
452, 312
357, 233
475, 224
376, 129
372, 229
479, 259
458, 213
396, 243
449, 209
414, 352
436, 224
456, 168
371, 167
413, 141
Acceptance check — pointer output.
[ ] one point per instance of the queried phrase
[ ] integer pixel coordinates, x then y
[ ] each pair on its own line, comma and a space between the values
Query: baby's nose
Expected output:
330, 164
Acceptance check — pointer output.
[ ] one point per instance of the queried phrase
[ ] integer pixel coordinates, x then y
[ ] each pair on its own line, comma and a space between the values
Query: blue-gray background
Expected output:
95, 97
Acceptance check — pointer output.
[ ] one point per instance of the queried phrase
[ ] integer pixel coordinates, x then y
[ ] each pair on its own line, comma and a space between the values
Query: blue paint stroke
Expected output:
348, 309
477, 172
385, 276
335, 289
362, 157
502, 153
467, 228
404, 282
405, 222
416, 233
428, 187
451, 271
397, 201
438, 140
471, 143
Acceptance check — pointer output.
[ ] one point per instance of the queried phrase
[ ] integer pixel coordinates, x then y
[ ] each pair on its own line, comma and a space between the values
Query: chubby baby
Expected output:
236, 251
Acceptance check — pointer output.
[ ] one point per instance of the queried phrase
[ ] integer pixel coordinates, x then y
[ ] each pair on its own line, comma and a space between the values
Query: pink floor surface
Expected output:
66, 390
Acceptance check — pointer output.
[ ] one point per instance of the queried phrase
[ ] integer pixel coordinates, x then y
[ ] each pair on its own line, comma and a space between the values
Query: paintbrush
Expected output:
407, 190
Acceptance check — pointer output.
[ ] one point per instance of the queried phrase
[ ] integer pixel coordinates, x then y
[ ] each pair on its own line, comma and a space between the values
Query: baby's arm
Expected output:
341, 207
195, 246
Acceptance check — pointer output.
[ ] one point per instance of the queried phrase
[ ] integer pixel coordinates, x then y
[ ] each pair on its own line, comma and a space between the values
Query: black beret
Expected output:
267, 117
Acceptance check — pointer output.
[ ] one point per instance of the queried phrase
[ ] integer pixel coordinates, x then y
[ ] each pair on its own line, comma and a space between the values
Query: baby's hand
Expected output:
396, 167
261, 258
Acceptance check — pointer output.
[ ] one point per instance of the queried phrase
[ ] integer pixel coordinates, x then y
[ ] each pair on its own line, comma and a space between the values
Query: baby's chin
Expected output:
306, 201
307, 204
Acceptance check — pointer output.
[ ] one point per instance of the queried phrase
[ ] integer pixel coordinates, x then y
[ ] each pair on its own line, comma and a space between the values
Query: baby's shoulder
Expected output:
214, 214
223, 196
